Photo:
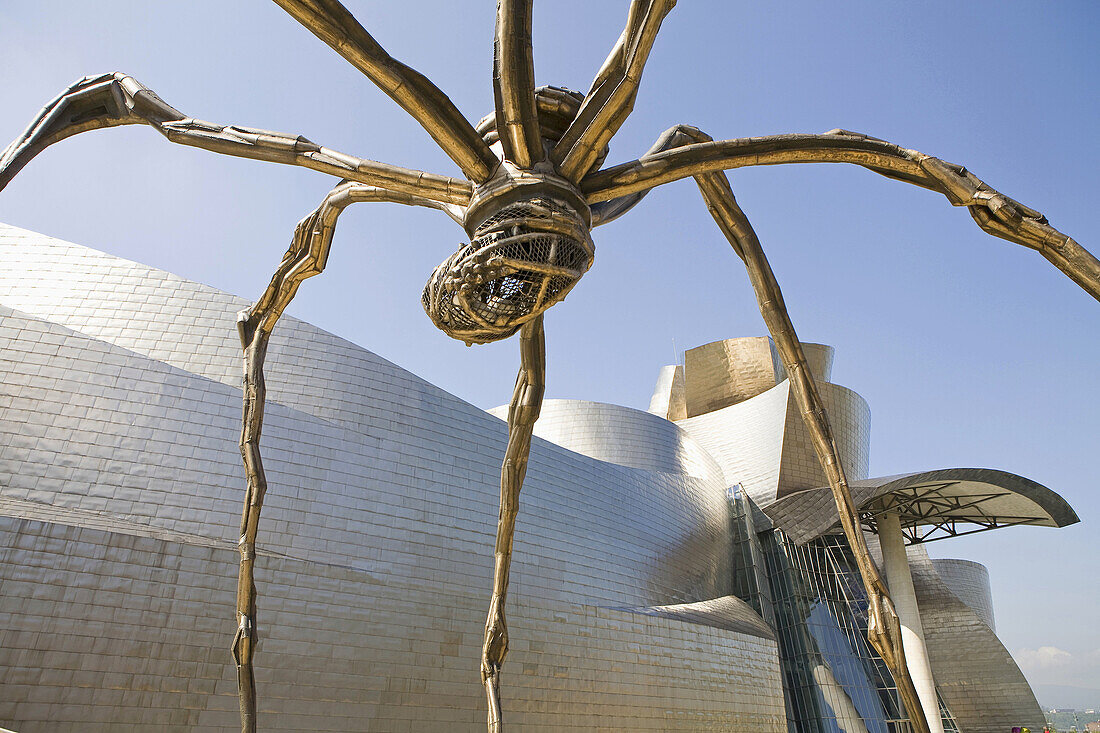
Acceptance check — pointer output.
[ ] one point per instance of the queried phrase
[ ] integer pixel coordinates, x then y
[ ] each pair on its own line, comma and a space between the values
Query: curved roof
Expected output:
932, 504
624, 436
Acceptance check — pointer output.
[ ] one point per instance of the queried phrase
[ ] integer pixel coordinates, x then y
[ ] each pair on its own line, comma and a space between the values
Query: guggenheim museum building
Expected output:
679, 569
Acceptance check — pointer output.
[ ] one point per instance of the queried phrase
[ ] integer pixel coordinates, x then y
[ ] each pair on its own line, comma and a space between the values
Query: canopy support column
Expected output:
904, 596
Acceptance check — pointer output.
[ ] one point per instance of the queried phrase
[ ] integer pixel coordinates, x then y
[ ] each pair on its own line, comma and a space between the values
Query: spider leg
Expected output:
611, 98
517, 116
993, 211
883, 627
109, 100
522, 414
305, 258
604, 212
330, 21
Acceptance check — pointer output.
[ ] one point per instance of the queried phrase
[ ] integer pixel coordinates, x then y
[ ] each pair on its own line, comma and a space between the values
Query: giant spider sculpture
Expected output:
533, 192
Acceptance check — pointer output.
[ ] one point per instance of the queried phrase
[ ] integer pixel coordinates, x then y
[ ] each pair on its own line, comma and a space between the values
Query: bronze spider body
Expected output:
532, 193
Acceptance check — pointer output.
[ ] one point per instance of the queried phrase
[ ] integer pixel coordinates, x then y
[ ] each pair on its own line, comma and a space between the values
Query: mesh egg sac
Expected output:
523, 259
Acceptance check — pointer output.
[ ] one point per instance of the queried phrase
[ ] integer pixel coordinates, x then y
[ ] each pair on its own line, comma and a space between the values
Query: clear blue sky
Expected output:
970, 351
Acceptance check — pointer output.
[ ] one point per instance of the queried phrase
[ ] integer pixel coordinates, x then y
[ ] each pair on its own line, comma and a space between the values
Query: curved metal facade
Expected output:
738, 408
624, 436
122, 492
969, 581
975, 674
649, 590
753, 427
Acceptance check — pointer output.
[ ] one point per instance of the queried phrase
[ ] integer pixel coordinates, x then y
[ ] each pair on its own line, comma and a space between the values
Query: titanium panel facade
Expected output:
122, 490
761, 442
729, 371
641, 541
624, 436
975, 674
969, 581
810, 592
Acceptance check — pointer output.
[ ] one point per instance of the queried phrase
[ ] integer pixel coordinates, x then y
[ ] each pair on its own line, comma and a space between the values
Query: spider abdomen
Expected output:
521, 260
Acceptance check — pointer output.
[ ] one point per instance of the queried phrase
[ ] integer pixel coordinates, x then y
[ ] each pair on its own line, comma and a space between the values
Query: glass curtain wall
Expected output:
813, 597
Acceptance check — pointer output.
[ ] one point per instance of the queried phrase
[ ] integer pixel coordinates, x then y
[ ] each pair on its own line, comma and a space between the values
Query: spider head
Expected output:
528, 248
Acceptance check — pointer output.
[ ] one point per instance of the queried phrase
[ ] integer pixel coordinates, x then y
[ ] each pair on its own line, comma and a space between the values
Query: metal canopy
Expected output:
932, 505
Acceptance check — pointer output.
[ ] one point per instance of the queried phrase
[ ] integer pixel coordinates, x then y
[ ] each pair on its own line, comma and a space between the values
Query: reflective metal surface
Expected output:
120, 484
969, 582
489, 298
122, 489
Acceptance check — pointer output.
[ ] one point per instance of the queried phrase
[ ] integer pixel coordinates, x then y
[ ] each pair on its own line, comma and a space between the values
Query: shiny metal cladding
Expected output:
529, 215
